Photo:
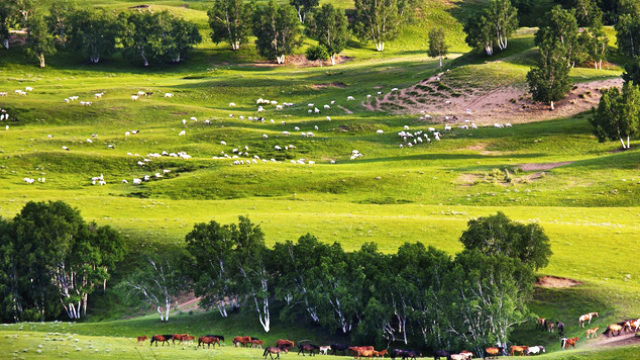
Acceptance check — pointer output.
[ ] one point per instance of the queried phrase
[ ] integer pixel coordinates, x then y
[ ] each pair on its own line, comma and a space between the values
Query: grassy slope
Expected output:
588, 207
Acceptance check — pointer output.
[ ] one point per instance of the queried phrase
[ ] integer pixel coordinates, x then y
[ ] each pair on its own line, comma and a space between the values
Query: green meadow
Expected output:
587, 201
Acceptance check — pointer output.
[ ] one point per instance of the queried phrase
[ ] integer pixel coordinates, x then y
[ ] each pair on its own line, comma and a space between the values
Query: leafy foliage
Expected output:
618, 114
93, 32
492, 26
40, 42
277, 31
437, 44
230, 20
329, 26
304, 8
377, 21
318, 52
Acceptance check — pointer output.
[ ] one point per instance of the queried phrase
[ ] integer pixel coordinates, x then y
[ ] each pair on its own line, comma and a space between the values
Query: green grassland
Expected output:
588, 207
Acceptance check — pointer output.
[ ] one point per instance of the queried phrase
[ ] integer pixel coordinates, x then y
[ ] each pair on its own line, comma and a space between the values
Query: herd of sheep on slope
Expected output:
241, 156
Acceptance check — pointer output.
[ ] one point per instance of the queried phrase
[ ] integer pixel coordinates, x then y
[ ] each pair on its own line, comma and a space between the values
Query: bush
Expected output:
318, 52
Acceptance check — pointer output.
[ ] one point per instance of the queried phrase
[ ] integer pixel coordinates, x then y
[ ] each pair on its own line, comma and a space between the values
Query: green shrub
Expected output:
318, 52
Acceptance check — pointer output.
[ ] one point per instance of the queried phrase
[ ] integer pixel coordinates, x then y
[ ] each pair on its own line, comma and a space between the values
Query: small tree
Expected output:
549, 81
318, 52
230, 20
40, 42
618, 114
158, 282
437, 44
277, 31
184, 35
377, 21
627, 30
492, 26
480, 35
59, 20
329, 26
304, 7
497, 234
94, 33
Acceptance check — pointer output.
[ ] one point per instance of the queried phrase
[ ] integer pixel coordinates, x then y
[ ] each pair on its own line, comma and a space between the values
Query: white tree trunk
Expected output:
5, 43
380, 45
167, 303
488, 49
552, 107
41, 58
333, 59
144, 58
159, 309
280, 59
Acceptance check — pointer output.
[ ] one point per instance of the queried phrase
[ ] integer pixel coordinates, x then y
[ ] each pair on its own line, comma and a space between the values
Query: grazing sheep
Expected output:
316, 127
498, 126
507, 125
141, 163
394, 89
474, 126
98, 95
29, 88
285, 133
89, 141
168, 95
277, 147
223, 142
134, 97
278, 107
406, 127
328, 118
124, 181
349, 98
265, 136
63, 148
3, 94
310, 105
379, 132
327, 107
137, 181
232, 104
447, 128
309, 111
141, 93
296, 128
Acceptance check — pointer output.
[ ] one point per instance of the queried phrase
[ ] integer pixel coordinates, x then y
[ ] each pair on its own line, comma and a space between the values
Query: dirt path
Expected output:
439, 97
349, 112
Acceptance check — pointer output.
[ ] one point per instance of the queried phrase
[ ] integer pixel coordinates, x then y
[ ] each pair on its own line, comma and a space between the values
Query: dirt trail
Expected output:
439, 97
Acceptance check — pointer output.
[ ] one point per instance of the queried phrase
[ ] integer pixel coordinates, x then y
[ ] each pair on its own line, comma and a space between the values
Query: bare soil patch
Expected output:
440, 96
553, 282
543, 167
349, 112
300, 61
326, 85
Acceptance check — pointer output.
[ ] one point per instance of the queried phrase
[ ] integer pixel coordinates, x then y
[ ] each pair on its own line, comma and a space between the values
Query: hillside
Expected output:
585, 194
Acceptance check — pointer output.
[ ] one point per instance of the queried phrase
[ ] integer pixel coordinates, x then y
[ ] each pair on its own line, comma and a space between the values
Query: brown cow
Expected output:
141, 339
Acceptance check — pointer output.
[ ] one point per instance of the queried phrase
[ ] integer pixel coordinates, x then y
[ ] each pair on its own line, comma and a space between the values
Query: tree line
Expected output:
51, 260
418, 295
148, 37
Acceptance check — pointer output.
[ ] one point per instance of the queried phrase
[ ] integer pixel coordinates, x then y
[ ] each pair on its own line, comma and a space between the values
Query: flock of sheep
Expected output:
241, 156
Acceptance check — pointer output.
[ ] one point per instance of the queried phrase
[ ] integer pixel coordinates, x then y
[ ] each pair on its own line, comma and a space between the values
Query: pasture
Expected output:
585, 194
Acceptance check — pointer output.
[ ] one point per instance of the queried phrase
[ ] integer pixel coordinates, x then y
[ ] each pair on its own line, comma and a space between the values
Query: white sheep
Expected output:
182, 133
474, 126
379, 132
350, 98
141, 93
223, 142
168, 95
265, 136
327, 107
285, 133
328, 118
134, 97
232, 104
447, 128
507, 125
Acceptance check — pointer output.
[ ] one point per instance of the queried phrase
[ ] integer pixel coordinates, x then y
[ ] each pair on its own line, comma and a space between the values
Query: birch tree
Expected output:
93, 32
437, 45
377, 21
492, 26
40, 41
60, 20
304, 8
158, 282
277, 31
251, 258
211, 246
230, 20
618, 114
329, 26
505, 21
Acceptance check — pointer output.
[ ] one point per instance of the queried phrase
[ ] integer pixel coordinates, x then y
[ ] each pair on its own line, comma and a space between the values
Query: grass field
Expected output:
588, 206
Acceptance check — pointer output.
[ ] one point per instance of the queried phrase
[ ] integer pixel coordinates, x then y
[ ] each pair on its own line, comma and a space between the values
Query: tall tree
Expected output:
230, 20
158, 282
60, 20
563, 27
485, 296
40, 41
253, 276
597, 44
628, 34
184, 35
480, 34
587, 12
94, 33
618, 114
329, 26
377, 21
632, 71
497, 234
492, 26
549, 81
277, 31
211, 247
437, 44
11, 15
304, 8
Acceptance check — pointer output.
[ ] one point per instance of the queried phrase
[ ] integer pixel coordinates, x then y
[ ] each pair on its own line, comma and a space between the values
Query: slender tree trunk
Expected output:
380, 45
41, 58
552, 107
333, 59
144, 58
441, 61
5, 43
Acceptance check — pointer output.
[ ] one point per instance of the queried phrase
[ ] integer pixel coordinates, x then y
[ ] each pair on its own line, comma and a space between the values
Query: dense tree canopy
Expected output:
492, 26
40, 41
277, 31
377, 21
94, 33
230, 20
328, 25
618, 114
437, 44
53, 261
